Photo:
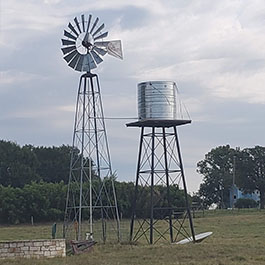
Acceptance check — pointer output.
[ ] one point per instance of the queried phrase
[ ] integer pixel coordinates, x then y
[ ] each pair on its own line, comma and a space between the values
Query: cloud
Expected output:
239, 86
214, 50
215, 47
67, 108
13, 77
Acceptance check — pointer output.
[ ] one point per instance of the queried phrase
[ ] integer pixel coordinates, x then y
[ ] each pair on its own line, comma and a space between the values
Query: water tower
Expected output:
160, 180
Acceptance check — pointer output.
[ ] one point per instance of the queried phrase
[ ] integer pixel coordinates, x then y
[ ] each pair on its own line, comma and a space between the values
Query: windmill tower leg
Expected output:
88, 196
159, 172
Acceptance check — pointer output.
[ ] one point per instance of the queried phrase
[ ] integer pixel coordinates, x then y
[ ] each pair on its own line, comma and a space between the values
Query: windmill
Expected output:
91, 204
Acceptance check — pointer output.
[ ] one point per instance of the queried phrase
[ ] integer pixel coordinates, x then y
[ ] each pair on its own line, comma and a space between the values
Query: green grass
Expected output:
238, 238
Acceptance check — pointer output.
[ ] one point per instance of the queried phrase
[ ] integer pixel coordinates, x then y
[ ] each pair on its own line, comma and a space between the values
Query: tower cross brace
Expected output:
159, 174
91, 197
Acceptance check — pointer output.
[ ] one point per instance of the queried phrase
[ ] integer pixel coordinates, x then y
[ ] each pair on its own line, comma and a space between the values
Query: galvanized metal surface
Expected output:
87, 45
93, 158
157, 100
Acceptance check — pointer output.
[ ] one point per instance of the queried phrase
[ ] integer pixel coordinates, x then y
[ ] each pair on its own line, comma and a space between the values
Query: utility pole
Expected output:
234, 176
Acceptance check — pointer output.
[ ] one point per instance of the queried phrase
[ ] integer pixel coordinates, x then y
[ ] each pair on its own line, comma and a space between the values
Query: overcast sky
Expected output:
213, 50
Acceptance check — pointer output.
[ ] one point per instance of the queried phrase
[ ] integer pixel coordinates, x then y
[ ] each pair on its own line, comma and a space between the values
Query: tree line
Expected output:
22, 165
33, 183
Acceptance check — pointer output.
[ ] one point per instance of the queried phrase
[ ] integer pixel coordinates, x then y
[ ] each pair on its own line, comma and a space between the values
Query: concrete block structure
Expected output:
49, 248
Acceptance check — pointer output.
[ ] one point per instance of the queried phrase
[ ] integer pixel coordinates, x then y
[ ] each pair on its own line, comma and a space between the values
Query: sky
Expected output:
213, 50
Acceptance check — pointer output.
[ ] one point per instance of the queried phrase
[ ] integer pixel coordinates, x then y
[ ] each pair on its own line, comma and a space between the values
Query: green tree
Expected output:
11, 204
53, 163
250, 171
17, 165
217, 171
43, 201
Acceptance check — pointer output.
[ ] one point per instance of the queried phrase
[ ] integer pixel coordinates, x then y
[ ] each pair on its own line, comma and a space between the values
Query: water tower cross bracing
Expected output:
91, 205
160, 172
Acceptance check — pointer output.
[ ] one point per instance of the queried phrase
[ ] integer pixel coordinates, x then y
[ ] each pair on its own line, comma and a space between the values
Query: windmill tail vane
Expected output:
83, 46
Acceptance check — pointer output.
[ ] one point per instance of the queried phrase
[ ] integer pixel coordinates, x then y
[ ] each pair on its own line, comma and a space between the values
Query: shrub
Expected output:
246, 203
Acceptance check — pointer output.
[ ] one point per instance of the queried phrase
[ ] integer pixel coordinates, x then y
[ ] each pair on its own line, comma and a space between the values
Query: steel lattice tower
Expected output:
91, 185
91, 204
160, 172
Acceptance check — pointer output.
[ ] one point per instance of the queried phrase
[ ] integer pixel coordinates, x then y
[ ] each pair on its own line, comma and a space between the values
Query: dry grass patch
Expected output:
239, 238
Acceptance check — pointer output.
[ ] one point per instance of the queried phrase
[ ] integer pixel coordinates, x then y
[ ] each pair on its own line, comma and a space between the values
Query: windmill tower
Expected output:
91, 204
160, 170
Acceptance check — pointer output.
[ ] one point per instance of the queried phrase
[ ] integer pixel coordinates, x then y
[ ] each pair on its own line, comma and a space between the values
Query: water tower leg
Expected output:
152, 186
169, 203
136, 184
184, 185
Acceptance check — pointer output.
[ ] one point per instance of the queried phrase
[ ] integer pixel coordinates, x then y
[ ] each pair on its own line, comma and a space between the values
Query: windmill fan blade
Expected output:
77, 24
88, 63
79, 64
69, 35
99, 50
102, 44
74, 61
68, 49
94, 25
70, 56
103, 35
91, 62
70, 26
85, 66
97, 58
83, 22
68, 42
88, 23
98, 30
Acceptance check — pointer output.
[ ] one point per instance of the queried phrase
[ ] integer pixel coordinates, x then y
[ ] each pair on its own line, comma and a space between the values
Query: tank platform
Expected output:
157, 123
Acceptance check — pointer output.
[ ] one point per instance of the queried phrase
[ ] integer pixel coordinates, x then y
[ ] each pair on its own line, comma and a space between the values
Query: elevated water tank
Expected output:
157, 100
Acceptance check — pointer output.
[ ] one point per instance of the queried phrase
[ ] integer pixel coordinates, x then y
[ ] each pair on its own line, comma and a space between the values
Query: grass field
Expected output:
238, 238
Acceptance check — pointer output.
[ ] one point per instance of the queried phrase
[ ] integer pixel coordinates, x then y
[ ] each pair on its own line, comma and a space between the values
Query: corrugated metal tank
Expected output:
157, 100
